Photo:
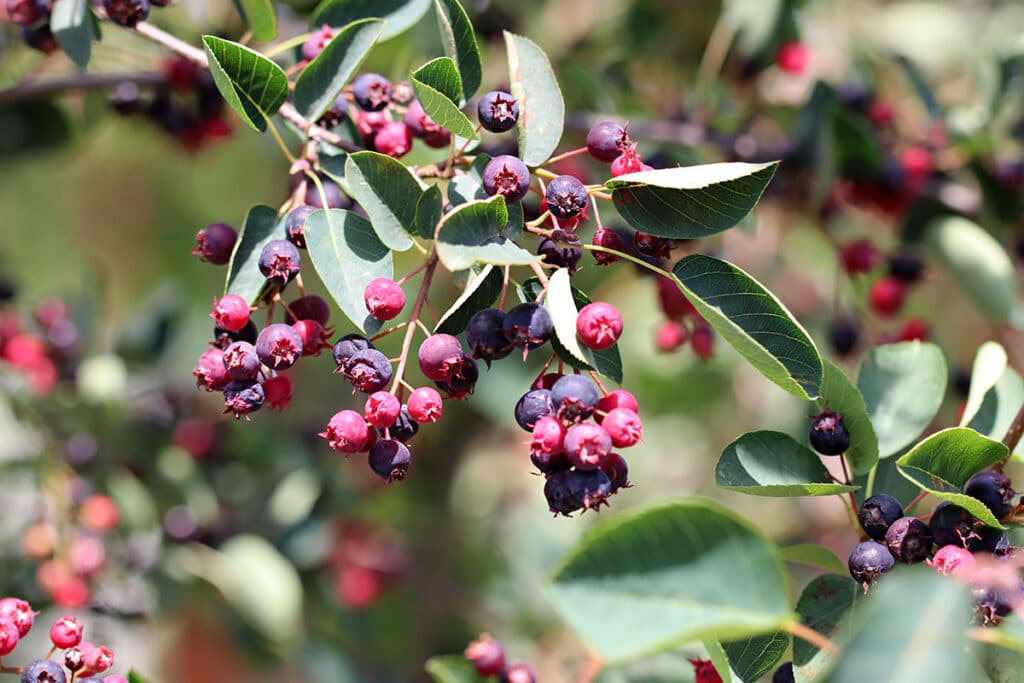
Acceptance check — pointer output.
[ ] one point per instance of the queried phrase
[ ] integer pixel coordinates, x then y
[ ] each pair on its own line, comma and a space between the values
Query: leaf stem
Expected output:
808, 634
869, 488
640, 262
417, 309
914, 502
284, 46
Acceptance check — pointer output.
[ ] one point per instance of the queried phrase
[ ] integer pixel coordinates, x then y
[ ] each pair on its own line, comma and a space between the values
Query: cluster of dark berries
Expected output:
682, 324
34, 18
488, 658
41, 349
83, 661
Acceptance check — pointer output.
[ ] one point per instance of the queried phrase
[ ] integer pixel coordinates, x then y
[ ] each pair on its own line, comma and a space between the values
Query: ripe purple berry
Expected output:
649, 245
617, 470
590, 488
372, 92
532, 406
242, 398
565, 255
222, 338
438, 355
279, 262
43, 671
574, 397
909, 540
608, 238
368, 370
566, 197
877, 513
384, 298
214, 243
241, 361
607, 140
527, 326
508, 176
310, 307
497, 111
126, 12
994, 490
390, 459
869, 560
587, 445
347, 432
828, 434
348, 346
26, 12
952, 525
559, 493
294, 225
404, 428
279, 346
484, 336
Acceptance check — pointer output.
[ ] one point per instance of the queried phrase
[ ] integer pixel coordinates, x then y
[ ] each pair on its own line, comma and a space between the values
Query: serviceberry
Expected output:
649, 245
222, 338
609, 239
784, 674
279, 346
546, 381
26, 12
497, 111
389, 459
624, 427
670, 336
590, 488
607, 140
43, 671
348, 346
886, 296
952, 525
546, 463
294, 225
231, 312
394, 139
914, 329
868, 560
40, 37
382, 409
316, 42
487, 655
517, 672
952, 560
332, 198
461, 379
828, 434
419, 122
564, 253
438, 355
598, 325
371, 91
528, 326
673, 302
906, 268
484, 336
425, 405
629, 161
617, 470
309, 307
843, 334
792, 57
877, 514
368, 371
279, 262
335, 113
702, 340
8, 637
99, 513
404, 427
242, 398
574, 397
347, 432
126, 12
587, 445
277, 392
548, 437
210, 372
566, 197
991, 605
313, 335
532, 406
97, 658
384, 298
994, 490
508, 176
909, 540
241, 361
618, 398
66, 632
214, 243
558, 490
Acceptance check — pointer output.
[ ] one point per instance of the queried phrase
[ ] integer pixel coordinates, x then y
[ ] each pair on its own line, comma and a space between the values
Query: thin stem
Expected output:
173, 44
1012, 437
417, 309
396, 328
539, 272
40, 89
597, 380
600, 195
408, 276
808, 634
914, 502
566, 155
544, 173
504, 288
424, 328
275, 50
280, 143
639, 262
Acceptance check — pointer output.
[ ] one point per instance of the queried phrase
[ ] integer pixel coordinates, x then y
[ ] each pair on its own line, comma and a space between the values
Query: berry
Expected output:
617, 470
843, 335
587, 445
438, 355
66, 632
670, 336
548, 463
347, 432
40, 38
425, 405
333, 197
382, 409
279, 262
952, 525
559, 493
313, 335
372, 92
394, 139
277, 392
8, 638
214, 243
574, 397
532, 406
994, 490
629, 161
590, 488
231, 312
279, 346
548, 437
877, 513
242, 398
310, 307
497, 111
562, 255
527, 326
487, 655
914, 329
952, 560
222, 338
508, 176
649, 245
624, 427
517, 672
26, 12
792, 57
389, 459
43, 671
566, 197
868, 561
607, 140
860, 256
462, 378
294, 225
989, 605
546, 381
598, 325
419, 122
98, 658
906, 268
609, 239
99, 513
241, 361
316, 42
404, 427
909, 540
210, 372
368, 371
619, 398
438, 140
348, 346
673, 302
384, 298
704, 671
484, 336
126, 12
335, 113
784, 674
828, 434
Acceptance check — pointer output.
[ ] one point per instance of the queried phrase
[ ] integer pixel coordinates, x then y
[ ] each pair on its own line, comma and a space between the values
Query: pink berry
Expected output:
860, 256
99, 513
609, 239
87, 556
8, 637
439, 355
487, 655
314, 337
670, 336
952, 560
384, 298
629, 161
316, 42
674, 303
548, 436
348, 432
624, 427
587, 445
394, 139
886, 296
703, 341
915, 328
97, 658
620, 398
277, 392
231, 312
66, 632
382, 409
210, 371
599, 325
19, 613
792, 57
425, 404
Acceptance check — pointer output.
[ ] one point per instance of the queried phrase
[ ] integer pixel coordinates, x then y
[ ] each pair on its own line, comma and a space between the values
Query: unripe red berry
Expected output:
347, 432
608, 238
87, 556
886, 296
215, 242
792, 57
651, 245
97, 658
548, 436
917, 163
487, 655
277, 391
419, 122
393, 139
19, 613
860, 256
619, 398
382, 409
598, 325
357, 587
25, 12
517, 672
587, 445
881, 113
8, 638
952, 560
231, 312
915, 328
66, 632
670, 336
425, 405
624, 427
314, 337
703, 341
674, 303
384, 298
99, 513
629, 161
210, 372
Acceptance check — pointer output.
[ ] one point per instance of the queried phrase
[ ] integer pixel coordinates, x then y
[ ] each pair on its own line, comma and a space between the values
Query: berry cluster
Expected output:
488, 658
34, 18
365, 562
683, 323
41, 350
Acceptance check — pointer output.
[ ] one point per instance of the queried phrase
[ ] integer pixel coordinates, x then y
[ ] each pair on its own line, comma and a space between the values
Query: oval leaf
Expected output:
842, 396
398, 15
752, 658
562, 308
320, 83
72, 26
753, 321
261, 18
814, 555
989, 363
542, 109
388, 193
766, 463
690, 201
481, 291
978, 262
469, 235
903, 386
347, 254
452, 669
244, 277
439, 91
644, 583
254, 86
823, 606
460, 43
429, 209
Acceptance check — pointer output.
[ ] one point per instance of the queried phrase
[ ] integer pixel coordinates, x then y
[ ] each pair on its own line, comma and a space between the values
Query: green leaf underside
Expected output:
718, 657
428, 212
903, 386
460, 43
814, 555
841, 396
253, 86
990, 362
398, 15
323, 79
261, 225
347, 255
753, 321
824, 605
442, 75
645, 583
887, 479
755, 657
541, 107
562, 308
766, 463
439, 91
261, 17
481, 291
942, 464
452, 669
71, 24
691, 201
977, 261
469, 235
388, 193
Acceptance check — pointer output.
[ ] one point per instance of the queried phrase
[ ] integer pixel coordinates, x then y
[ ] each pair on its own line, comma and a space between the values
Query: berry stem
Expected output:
504, 288
544, 173
597, 380
176, 45
541, 275
417, 309
914, 502
600, 195
806, 633
408, 276
566, 155
1012, 438
396, 328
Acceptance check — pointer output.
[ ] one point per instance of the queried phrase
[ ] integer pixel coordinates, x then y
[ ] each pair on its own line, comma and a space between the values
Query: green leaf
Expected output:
460, 43
977, 261
135, 677
644, 583
766, 463
990, 361
824, 605
942, 464
1003, 665
752, 658
452, 669
912, 628
690, 201
71, 24
1009, 634
320, 83
41, 126
920, 86
903, 386
840, 395
254, 86
469, 186
428, 212
532, 82
814, 555
469, 235
439, 91
261, 17
718, 657
562, 309
398, 15
348, 255
999, 406
388, 193
667, 667
261, 225
753, 321
481, 291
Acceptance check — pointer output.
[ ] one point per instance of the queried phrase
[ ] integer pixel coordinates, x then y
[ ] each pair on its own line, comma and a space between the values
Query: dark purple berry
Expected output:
404, 428
574, 397
439, 355
508, 176
784, 674
241, 361
991, 604
607, 140
559, 493
222, 338
309, 307
40, 37
462, 377
126, 12
390, 459
43, 671
952, 525
562, 255
279, 262
527, 326
279, 346
532, 406
548, 463
295, 223
566, 197
372, 92
608, 238
906, 268
994, 490
333, 197
828, 434
368, 370
348, 346
909, 540
649, 245
497, 111
843, 335
877, 513
335, 113
242, 398
484, 336
868, 561
617, 470
214, 243
590, 488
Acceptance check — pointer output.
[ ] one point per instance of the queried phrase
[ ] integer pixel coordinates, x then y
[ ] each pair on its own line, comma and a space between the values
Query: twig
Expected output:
914, 502
1012, 437
811, 636
39, 89
417, 309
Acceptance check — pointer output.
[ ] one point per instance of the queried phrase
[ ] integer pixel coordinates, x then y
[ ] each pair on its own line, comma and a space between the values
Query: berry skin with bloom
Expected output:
97, 658
886, 296
310, 307
617, 469
607, 140
528, 326
497, 111
348, 346
548, 437
877, 514
909, 540
368, 371
382, 409
277, 392
279, 346
316, 42
371, 91
279, 262
508, 176
486, 654
624, 427
214, 243
243, 398
828, 434
484, 337
347, 432
574, 397
43, 671
587, 445
532, 406
566, 197
8, 637
389, 459
384, 298
295, 225
562, 255
438, 355
241, 361
66, 632
599, 325
868, 561
425, 405
994, 490
231, 312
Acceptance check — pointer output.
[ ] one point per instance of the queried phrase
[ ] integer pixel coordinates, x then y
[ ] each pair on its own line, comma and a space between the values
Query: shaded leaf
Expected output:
261, 17
841, 396
481, 291
398, 15
562, 309
460, 43
667, 667
388, 192
452, 669
755, 657
261, 225
254, 86
824, 605
886, 479
41, 125
1009, 634
428, 212
323, 79
542, 110
469, 235
814, 555
990, 362
718, 657
72, 26
766, 463
439, 91
1003, 665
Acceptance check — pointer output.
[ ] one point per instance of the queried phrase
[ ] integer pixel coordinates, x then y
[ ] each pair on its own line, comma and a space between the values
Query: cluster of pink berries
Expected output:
40, 349
488, 658
683, 323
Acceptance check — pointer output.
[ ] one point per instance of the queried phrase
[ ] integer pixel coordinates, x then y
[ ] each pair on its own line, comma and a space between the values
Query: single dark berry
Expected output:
607, 140
8, 289
532, 406
508, 176
368, 370
587, 445
828, 434
384, 298
487, 655
574, 397
497, 111
372, 92
906, 268
909, 540
566, 197
565, 253
309, 307
609, 239
279, 262
868, 561
332, 198
877, 514
347, 432
462, 378
952, 525
390, 459
590, 488
348, 346
843, 335
242, 398
43, 671
214, 243
126, 12
649, 245
617, 469
547, 463
994, 490
241, 361
784, 674
404, 427
126, 99
991, 605
295, 223
40, 37
558, 490
279, 346
598, 325
989, 540
528, 326
484, 337
961, 382
517, 672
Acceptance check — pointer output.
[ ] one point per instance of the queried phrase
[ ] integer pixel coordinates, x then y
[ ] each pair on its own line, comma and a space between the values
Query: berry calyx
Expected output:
438, 355
486, 654
66, 632
390, 459
461, 382
279, 346
508, 176
382, 409
347, 432
384, 298
214, 243
566, 197
886, 296
607, 140
19, 613
629, 161
279, 262
231, 312
241, 361
828, 434
598, 325
624, 427
368, 371
587, 445
295, 224
425, 405
877, 514
528, 326
574, 397
868, 561
909, 540
497, 111
97, 658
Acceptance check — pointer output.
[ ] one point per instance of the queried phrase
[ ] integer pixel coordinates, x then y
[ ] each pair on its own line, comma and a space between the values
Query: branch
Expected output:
417, 309
1012, 437
39, 89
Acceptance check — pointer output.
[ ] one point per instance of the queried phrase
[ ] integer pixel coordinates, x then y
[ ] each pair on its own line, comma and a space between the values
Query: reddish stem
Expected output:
417, 309
566, 155
914, 502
